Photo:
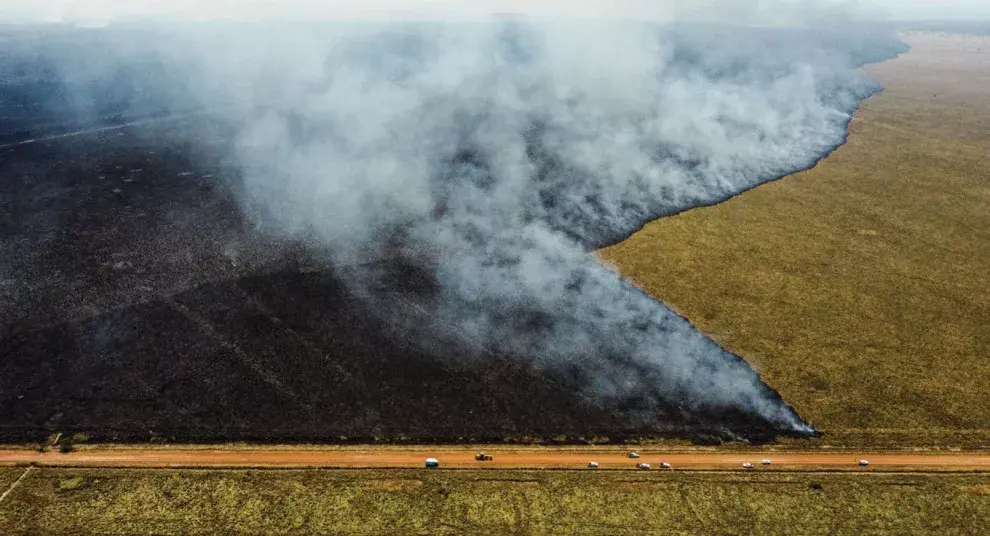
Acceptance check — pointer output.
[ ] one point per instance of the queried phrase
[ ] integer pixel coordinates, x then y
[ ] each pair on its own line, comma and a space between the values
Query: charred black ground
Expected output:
150, 287
139, 302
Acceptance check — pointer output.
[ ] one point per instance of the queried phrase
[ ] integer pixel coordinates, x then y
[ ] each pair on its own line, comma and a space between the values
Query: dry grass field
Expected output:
7, 476
129, 501
860, 289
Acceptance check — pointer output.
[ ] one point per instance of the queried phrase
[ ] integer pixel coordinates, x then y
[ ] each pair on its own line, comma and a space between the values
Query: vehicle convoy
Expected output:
643, 466
634, 454
432, 463
482, 457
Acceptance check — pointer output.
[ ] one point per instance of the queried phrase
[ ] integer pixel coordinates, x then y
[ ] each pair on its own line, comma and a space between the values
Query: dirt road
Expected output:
509, 458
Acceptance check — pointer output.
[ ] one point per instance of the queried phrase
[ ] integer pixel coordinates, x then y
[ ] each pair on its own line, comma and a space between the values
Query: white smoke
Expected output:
492, 156
484, 160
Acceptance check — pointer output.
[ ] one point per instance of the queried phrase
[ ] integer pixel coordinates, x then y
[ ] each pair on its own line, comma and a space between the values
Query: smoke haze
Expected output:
490, 158
457, 175
762, 12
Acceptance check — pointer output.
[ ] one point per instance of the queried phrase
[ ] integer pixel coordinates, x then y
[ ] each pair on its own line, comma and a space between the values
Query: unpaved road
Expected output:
510, 458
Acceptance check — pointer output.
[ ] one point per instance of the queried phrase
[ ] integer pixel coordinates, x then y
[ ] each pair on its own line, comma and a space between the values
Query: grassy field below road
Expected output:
127, 501
7, 477
860, 289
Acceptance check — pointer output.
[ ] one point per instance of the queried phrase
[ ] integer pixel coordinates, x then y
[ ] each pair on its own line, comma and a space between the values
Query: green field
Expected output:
131, 501
860, 289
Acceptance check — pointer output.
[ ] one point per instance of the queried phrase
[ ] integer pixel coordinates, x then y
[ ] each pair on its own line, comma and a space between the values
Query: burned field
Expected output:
139, 303
368, 238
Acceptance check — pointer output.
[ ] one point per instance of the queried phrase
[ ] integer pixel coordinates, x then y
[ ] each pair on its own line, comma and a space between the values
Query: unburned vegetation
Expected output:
7, 477
128, 501
858, 289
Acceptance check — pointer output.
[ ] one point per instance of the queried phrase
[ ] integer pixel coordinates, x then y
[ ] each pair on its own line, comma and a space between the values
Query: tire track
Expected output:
263, 372
15, 484
109, 128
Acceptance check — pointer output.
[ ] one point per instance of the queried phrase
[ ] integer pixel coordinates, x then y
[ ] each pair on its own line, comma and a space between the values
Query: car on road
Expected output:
748, 466
432, 463
633, 454
862, 463
766, 462
664, 465
643, 466
482, 457
592, 465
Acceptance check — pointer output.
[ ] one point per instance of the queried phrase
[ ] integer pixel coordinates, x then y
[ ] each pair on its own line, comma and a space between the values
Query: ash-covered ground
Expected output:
150, 285
138, 302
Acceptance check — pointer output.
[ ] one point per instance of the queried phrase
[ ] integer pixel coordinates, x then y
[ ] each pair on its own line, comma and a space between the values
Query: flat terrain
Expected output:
450, 457
406, 501
143, 297
8, 476
858, 289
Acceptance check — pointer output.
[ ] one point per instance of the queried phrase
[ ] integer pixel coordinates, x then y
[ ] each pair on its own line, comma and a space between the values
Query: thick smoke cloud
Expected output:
489, 158
457, 175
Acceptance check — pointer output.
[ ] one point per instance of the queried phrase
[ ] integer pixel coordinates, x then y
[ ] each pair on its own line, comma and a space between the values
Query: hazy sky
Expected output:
757, 10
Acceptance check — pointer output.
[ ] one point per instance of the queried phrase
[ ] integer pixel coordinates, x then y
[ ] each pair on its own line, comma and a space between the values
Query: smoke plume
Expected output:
489, 158
458, 174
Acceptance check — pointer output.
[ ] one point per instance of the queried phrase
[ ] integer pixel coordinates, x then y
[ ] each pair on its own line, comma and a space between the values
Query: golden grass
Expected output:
127, 501
860, 289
